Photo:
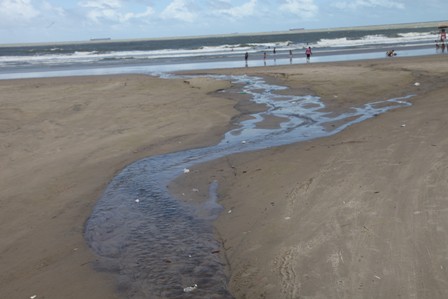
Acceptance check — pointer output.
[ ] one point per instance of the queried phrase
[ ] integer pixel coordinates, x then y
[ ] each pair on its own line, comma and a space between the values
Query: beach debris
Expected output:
195, 190
190, 289
287, 218
403, 125
137, 200
377, 277
33, 297
243, 142
417, 83
186, 170
229, 212
216, 251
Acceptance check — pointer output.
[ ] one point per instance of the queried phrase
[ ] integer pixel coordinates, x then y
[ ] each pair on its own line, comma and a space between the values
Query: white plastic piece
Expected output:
190, 289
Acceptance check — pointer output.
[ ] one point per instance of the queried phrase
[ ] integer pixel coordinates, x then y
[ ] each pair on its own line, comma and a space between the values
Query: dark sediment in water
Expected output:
158, 245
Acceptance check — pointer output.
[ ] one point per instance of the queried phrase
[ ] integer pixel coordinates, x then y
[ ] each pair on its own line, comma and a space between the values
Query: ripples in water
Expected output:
158, 245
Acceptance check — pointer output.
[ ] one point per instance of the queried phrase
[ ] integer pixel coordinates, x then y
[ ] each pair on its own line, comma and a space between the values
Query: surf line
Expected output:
156, 244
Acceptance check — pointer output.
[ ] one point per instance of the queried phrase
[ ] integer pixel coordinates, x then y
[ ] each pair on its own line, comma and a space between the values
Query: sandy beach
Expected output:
356, 215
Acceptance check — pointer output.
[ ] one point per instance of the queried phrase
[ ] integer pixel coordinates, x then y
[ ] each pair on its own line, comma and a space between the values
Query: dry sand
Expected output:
62, 140
360, 214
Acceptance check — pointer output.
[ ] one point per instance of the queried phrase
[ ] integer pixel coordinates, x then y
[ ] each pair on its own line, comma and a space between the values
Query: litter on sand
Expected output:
33, 297
417, 84
186, 170
190, 289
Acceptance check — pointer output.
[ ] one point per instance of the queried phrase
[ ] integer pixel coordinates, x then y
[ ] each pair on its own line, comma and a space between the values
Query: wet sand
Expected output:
359, 214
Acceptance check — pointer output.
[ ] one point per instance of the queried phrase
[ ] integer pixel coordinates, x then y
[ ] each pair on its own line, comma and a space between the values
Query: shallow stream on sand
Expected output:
158, 245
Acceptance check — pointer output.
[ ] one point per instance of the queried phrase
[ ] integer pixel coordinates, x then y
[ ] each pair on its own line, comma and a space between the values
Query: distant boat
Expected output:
99, 39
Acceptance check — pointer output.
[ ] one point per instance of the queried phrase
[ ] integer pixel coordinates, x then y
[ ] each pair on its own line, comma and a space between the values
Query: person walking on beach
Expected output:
246, 57
308, 54
442, 36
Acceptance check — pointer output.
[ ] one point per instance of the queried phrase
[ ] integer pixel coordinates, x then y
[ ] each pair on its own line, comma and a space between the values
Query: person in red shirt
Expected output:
308, 53
443, 36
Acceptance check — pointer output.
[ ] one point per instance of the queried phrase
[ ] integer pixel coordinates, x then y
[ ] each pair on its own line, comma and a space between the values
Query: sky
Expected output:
26, 21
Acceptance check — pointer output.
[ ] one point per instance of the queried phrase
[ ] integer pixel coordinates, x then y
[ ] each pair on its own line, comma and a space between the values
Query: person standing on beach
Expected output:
308, 54
246, 57
443, 36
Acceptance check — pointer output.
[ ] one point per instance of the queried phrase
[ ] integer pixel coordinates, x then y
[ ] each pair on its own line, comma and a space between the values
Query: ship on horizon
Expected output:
100, 39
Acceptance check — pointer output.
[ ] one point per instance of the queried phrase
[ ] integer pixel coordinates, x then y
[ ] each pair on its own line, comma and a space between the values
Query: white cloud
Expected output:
101, 4
112, 10
236, 12
219, 4
369, 3
17, 10
300, 8
129, 16
180, 10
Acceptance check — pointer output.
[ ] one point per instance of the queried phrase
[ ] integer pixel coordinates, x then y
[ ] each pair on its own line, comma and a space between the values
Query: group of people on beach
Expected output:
308, 53
440, 43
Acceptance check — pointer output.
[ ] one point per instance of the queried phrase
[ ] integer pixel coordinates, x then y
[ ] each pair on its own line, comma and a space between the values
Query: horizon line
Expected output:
103, 40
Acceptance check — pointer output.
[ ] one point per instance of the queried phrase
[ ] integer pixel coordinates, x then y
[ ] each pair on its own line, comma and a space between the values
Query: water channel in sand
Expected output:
158, 245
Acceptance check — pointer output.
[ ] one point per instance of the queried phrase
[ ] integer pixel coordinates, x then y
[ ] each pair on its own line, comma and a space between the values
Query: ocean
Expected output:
168, 55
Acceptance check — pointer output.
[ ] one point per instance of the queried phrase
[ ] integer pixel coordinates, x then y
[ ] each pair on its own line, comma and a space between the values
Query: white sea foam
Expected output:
54, 57
376, 40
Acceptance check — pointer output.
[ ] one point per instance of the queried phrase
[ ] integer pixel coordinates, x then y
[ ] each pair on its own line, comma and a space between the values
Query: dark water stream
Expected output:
158, 245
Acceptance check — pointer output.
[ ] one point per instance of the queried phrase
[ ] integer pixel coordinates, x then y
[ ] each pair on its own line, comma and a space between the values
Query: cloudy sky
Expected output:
72, 20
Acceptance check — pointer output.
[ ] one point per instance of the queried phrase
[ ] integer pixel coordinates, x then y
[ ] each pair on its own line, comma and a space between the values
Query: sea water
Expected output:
158, 245
148, 56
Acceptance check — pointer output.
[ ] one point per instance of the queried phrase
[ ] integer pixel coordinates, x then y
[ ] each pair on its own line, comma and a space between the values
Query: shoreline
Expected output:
53, 260
231, 62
